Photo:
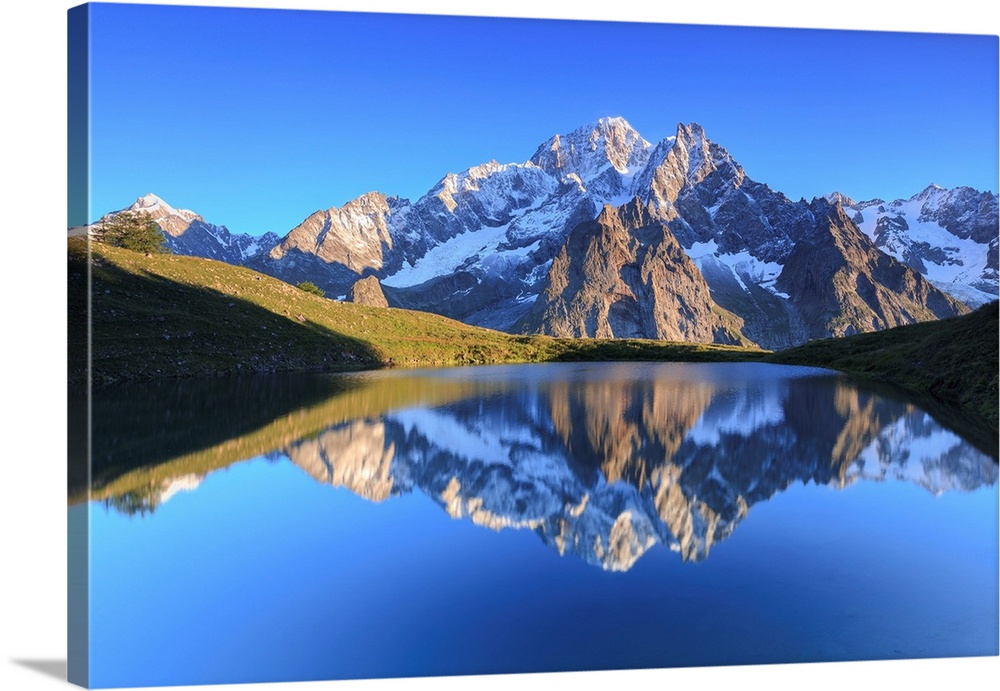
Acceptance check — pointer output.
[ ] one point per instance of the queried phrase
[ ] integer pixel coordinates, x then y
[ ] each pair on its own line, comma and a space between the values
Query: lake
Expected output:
529, 518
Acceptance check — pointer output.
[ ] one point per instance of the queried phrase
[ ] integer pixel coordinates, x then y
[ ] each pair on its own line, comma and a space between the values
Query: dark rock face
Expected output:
989, 277
367, 291
624, 275
841, 284
768, 320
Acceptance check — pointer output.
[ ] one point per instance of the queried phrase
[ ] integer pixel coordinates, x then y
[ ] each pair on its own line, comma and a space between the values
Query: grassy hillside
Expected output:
158, 316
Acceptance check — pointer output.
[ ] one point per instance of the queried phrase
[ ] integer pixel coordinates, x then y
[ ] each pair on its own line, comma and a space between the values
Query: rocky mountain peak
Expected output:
633, 214
702, 156
160, 211
692, 132
680, 164
370, 204
599, 153
839, 198
931, 190
148, 202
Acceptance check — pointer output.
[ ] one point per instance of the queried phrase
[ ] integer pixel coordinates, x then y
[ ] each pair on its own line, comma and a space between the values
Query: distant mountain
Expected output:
335, 247
949, 236
506, 246
189, 234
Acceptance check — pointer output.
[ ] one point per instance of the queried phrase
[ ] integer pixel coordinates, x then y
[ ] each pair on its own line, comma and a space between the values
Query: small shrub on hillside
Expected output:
310, 287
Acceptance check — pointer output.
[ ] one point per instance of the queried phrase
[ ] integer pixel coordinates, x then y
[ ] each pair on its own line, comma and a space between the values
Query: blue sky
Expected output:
256, 118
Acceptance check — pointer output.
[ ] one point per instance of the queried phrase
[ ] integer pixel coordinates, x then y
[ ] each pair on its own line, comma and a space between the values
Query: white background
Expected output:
33, 209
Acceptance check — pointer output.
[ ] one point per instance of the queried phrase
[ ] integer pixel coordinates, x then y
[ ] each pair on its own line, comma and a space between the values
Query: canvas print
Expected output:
406, 345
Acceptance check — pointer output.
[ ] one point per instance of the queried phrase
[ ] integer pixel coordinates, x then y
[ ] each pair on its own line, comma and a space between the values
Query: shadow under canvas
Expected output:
50, 668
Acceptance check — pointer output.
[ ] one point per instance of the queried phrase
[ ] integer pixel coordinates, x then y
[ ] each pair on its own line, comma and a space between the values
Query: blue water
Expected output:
258, 572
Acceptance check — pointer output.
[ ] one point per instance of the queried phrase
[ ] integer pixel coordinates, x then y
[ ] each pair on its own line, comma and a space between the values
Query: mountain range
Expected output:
600, 233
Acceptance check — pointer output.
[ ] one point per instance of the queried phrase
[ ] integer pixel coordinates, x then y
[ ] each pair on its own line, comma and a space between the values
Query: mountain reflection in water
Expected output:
601, 461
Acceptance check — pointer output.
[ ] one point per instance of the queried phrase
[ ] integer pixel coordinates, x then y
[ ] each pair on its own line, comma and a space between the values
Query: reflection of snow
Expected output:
916, 449
450, 435
184, 483
740, 411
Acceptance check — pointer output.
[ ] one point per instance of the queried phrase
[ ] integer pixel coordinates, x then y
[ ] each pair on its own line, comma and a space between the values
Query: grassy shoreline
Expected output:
167, 316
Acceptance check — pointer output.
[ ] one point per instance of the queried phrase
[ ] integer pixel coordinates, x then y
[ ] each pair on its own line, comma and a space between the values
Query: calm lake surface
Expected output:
529, 518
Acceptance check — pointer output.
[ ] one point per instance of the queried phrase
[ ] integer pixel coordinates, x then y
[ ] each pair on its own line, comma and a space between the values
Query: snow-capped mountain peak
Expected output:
151, 201
604, 155
188, 233
160, 210
839, 198
702, 155
930, 191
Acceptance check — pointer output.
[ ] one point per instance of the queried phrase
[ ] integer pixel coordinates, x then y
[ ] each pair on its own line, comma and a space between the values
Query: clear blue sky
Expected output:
256, 118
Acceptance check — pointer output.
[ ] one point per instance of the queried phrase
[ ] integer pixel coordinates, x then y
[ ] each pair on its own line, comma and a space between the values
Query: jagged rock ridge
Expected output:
624, 275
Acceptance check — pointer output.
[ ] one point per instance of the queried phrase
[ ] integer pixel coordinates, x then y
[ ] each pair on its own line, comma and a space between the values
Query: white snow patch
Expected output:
740, 410
743, 266
453, 437
445, 258
973, 297
899, 454
702, 249
531, 224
